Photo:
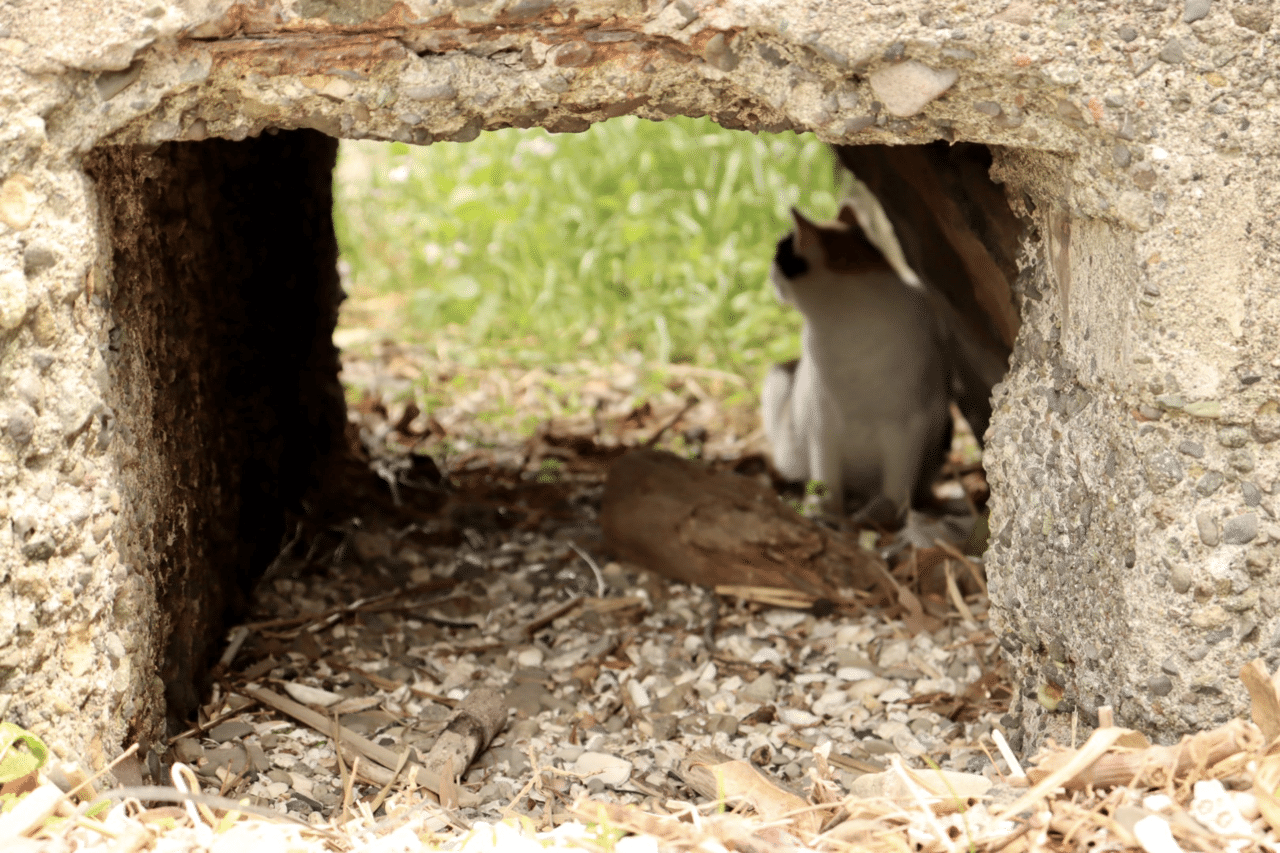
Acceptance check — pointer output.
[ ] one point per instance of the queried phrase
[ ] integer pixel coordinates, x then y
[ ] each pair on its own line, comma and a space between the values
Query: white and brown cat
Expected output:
865, 409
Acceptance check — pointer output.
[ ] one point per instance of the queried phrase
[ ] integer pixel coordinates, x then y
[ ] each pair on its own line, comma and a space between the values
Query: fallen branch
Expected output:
682, 519
478, 719
378, 754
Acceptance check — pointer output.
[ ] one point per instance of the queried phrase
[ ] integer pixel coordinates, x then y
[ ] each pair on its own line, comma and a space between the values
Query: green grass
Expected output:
648, 237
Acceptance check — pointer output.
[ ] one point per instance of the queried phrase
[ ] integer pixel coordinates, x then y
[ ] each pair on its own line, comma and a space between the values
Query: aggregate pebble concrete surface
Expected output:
1132, 448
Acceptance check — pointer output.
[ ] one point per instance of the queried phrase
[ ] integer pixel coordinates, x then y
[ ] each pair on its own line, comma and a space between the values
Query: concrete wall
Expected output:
1131, 451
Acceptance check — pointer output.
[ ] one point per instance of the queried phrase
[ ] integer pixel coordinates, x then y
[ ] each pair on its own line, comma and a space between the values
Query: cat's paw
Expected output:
879, 512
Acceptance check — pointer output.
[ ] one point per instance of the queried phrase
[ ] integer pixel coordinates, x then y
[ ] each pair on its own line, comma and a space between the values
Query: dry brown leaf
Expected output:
30, 812
1264, 698
953, 593
1136, 761
866, 835
448, 785
738, 780
613, 605
553, 614
1266, 785
21, 785
1075, 763
631, 818
721, 831
950, 789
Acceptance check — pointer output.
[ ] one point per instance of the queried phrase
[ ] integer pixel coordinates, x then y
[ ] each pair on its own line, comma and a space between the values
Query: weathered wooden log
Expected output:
683, 520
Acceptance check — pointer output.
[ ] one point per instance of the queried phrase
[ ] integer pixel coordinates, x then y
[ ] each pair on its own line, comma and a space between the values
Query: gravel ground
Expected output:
494, 576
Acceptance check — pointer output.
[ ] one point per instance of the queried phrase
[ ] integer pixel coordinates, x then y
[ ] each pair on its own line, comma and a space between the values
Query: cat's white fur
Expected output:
865, 409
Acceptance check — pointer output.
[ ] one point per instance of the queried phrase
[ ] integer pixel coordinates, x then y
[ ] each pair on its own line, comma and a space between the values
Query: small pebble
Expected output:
767, 655
1240, 530
906, 88
878, 746
763, 689
531, 657
609, 769
722, 724
638, 694
311, 695
785, 620
1194, 10
1180, 578
1233, 437
1241, 461
718, 53
232, 757
188, 750
798, 717
1208, 529
1210, 482
893, 694
1172, 52
870, 687
231, 730
1257, 17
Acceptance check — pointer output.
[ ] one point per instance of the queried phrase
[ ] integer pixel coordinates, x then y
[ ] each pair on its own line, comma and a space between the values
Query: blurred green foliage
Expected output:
648, 237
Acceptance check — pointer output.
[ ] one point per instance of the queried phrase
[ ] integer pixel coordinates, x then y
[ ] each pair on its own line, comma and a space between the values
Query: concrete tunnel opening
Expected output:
225, 291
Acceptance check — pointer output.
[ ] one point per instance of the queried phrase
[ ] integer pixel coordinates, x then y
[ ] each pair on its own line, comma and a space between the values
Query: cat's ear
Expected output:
848, 216
808, 235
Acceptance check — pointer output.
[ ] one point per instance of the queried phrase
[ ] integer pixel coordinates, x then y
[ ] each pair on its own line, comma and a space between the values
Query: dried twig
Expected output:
600, 590
653, 439
552, 615
479, 717
160, 793
953, 592
370, 750
354, 607
1015, 768
395, 774
974, 571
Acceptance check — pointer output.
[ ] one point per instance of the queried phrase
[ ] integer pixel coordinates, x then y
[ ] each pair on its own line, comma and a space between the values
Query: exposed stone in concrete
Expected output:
1208, 528
907, 87
1240, 530
1256, 16
1194, 10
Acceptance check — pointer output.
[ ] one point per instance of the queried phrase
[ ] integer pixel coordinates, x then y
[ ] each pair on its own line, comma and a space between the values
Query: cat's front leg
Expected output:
902, 449
777, 405
825, 459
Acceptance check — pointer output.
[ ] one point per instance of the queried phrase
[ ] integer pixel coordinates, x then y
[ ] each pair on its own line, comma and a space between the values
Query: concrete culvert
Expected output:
167, 295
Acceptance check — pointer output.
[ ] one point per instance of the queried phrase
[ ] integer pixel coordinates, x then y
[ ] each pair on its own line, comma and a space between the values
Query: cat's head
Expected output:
839, 247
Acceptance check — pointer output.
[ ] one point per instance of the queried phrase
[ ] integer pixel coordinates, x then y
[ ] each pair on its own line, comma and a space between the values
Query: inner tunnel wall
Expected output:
224, 295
